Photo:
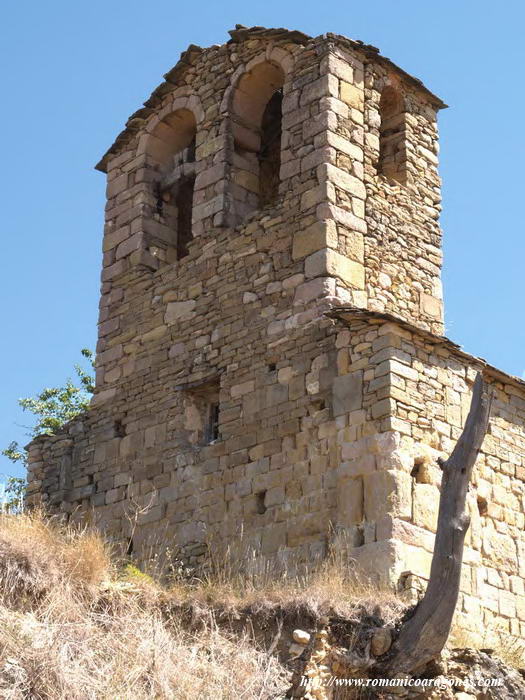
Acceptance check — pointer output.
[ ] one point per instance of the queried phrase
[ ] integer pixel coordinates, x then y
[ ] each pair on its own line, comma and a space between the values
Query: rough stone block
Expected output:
327, 85
341, 216
347, 393
426, 506
387, 492
328, 263
319, 235
179, 311
343, 180
241, 389
352, 95
349, 502
314, 289
431, 306
345, 145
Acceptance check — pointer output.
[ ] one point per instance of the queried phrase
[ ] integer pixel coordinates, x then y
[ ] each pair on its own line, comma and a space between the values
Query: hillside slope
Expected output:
77, 625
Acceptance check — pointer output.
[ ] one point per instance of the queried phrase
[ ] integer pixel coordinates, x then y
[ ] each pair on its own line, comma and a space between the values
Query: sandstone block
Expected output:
112, 375
431, 306
143, 258
135, 242
383, 408
387, 492
354, 245
520, 607
325, 120
102, 396
349, 502
501, 549
342, 144
154, 334
117, 185
426, 506
337, 66
110, 355
179, 311
324, 154
379, 561
315, 289
273, 538
328, 263
347, 393
395, 367
352, 95
112, 271
248, 180
341, 216
274, 496
326, 86
241, 389
319, 235
415, 560
342, 179
113, 238
312, 197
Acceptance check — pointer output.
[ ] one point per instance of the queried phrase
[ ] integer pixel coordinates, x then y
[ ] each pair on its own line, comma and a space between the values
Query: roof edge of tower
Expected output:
347, 314
372, 53
239, 34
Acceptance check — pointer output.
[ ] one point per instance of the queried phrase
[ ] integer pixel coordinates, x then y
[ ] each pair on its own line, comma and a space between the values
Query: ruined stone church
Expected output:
271, 365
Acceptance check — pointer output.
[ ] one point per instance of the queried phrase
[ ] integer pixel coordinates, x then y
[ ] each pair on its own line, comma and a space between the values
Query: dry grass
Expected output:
70, 629
511, 650
243, 579
76, 625
38, 557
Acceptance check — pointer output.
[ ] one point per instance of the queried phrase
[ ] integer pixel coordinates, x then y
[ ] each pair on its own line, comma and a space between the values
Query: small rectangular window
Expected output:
202, 411
212, 428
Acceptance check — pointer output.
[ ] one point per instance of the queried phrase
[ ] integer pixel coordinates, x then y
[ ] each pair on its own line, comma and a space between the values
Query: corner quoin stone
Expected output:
330, 263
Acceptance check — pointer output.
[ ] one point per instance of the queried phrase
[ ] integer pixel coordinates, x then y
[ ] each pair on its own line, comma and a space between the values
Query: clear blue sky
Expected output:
74, 71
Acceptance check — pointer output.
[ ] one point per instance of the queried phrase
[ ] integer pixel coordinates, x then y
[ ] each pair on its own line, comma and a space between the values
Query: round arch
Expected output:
172, 134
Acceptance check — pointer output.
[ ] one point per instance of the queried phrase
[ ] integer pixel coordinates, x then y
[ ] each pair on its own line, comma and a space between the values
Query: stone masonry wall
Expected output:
403, 240
422, 396
267, 483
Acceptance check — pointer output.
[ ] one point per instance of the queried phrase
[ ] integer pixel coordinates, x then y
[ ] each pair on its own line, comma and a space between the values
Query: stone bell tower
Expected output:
334, 144
263, 184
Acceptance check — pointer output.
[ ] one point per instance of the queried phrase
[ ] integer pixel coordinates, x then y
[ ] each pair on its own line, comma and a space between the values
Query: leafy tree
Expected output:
52, 408
12, 498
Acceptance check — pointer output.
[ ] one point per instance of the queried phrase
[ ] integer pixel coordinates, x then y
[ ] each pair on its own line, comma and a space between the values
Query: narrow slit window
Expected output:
260, 504
184, 204
270, 150
213, 423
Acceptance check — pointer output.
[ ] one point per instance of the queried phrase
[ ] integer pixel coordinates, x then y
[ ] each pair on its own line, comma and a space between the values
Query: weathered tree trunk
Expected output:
425, 633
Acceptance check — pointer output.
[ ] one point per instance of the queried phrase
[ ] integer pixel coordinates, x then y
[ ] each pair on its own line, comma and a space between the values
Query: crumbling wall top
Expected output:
190, 56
